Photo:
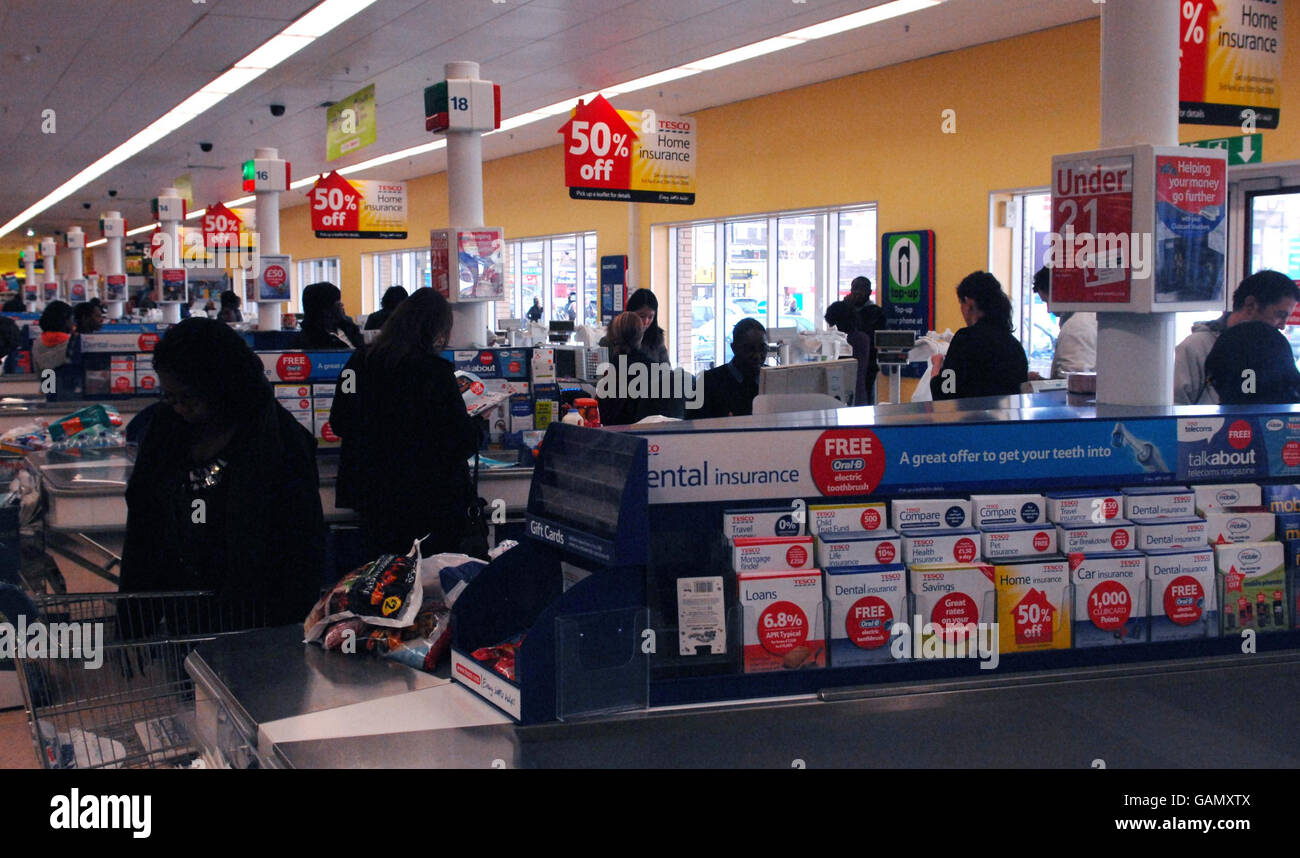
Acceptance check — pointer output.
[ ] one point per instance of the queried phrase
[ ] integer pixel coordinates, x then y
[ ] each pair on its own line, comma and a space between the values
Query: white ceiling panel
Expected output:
110, 68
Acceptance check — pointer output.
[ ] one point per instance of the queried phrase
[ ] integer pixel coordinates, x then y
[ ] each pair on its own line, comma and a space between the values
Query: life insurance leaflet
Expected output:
701, 621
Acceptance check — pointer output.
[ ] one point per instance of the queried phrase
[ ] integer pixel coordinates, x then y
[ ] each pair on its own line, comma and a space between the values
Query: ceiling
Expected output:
108, 69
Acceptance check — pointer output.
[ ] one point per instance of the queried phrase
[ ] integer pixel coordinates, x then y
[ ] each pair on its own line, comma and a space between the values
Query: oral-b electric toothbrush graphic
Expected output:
1145, 453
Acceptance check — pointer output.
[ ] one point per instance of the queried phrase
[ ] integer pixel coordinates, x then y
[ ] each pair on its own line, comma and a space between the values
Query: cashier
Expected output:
984, 358
224, 495
325, 323
729, 390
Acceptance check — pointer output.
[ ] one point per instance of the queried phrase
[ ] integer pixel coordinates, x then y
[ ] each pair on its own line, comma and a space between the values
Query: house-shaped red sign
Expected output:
335, 205
597, 147
1034, 617
220, 227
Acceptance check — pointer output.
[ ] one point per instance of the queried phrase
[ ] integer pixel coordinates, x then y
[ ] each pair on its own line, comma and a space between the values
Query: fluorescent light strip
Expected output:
96, 243
140, 229
323, 18
792, 39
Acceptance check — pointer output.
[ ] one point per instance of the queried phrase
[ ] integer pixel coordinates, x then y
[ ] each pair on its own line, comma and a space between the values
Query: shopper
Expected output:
58, 349
224, 495
535, 312
323, 318
842, 316
634, 386
1265, 296
393, 296
230, 313
984, 358
645, 305
1076, 343
729, 390
406, 435
88, 317
870, 317
1251, 363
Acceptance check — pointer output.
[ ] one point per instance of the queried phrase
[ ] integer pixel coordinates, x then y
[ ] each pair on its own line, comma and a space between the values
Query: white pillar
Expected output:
633, 248
76, 256
49, 252
29, 269
171, 229
115, 260
1139, 104
465, 210
267, 208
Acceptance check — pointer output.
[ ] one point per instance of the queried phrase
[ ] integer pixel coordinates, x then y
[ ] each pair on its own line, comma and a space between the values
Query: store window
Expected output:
1275, 240
782, 269
561, 272
324, 270
409, 269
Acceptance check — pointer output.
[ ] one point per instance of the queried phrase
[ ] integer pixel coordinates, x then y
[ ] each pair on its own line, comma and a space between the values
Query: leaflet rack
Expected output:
575, 589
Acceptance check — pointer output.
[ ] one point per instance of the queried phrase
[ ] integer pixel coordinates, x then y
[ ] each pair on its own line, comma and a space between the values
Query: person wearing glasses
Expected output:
224, 495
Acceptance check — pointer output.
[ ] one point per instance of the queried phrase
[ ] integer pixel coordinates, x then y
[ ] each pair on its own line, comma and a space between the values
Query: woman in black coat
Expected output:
406, 434
225, 494
984, 358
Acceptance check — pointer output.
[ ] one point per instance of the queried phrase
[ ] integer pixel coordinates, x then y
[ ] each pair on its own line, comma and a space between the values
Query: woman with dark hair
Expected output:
636, 385
387, 304
224, 495
645, 305
984, 358
406, 435
845, 317
58, 348
230, 313
324, 319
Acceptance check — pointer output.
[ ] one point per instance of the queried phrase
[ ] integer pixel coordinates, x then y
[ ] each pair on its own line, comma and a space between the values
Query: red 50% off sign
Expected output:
598, 153
335, 205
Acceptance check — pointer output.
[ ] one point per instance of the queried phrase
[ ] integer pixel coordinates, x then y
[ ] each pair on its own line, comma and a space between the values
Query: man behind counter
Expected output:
729, 390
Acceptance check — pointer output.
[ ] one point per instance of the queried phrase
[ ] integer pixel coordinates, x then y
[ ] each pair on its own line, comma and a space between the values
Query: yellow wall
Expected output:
870, 137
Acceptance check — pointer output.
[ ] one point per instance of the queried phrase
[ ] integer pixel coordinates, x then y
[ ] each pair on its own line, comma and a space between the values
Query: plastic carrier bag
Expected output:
385, 592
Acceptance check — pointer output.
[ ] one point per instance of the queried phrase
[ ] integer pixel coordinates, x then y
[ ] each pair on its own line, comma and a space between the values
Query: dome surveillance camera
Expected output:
277, 110
206, 147
112, 192
85, 205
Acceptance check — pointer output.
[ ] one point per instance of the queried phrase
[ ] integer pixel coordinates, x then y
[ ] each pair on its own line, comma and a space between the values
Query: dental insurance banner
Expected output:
1230, 67
696, 467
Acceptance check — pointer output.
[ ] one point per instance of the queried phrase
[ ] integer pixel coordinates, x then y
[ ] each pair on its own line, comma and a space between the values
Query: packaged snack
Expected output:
385, 592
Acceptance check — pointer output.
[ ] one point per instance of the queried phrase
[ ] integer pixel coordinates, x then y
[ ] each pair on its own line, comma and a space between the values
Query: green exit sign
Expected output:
1248, 149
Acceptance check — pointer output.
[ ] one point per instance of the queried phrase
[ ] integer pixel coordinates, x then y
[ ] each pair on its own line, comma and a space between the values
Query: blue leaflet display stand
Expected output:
575, 589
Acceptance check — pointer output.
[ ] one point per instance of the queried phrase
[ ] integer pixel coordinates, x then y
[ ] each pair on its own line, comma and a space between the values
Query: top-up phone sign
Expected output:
907, 294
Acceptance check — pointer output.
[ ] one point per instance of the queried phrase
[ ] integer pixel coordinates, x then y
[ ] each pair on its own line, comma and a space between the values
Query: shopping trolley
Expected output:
134, 709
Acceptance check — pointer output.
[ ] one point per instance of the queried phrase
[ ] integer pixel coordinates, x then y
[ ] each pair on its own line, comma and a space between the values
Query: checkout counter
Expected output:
287, 704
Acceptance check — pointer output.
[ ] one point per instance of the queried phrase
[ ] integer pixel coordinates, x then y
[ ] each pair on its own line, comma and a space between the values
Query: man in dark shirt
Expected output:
324, 319
729, 390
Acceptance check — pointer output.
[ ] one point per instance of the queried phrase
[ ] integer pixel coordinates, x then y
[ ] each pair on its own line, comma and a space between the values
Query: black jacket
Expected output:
727, 393
988, 361
623, 410
274, 532
313, 339
406, 442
